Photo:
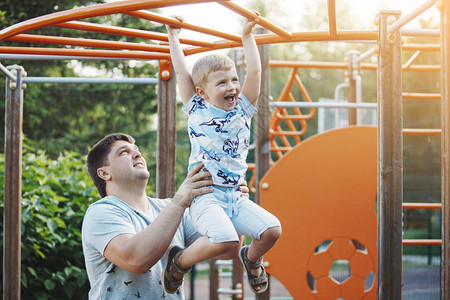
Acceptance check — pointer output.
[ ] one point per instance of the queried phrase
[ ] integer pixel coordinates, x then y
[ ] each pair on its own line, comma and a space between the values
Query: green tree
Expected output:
71, 116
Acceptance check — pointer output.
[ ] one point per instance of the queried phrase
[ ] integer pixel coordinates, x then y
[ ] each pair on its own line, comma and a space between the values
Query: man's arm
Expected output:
252, 80
138, 253
184, 78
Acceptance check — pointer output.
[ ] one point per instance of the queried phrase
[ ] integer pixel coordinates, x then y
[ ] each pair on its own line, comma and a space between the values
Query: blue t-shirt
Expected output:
220, 138
108, 218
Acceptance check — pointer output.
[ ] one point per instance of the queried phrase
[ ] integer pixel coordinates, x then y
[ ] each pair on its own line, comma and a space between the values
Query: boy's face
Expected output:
221, 89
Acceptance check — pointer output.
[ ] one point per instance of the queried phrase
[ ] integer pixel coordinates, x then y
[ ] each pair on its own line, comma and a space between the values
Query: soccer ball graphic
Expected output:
340, 268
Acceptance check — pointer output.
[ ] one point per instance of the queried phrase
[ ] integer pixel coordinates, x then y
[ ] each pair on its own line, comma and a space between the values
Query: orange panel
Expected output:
353, 288
324, 189
326, 289
341, 248
360, 264
320, 264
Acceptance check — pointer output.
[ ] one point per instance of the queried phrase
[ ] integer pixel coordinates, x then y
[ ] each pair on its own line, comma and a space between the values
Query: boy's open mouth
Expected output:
229, 98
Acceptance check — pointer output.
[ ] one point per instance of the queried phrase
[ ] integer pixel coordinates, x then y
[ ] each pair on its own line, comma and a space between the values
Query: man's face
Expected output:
125, 162
222, 89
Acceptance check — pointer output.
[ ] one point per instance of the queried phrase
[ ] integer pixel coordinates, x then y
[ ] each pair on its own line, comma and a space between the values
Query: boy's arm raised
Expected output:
252, 80
184, 78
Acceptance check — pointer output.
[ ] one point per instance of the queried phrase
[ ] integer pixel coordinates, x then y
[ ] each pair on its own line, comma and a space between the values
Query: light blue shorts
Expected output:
223, 214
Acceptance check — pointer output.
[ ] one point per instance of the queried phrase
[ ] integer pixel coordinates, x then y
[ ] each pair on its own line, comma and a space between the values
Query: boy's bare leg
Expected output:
259, 247
201, 250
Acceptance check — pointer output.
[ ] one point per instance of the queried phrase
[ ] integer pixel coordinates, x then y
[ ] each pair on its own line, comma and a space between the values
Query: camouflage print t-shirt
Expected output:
220, 138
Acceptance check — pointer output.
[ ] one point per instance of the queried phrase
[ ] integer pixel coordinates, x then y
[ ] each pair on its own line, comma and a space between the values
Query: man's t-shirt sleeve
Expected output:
102, 223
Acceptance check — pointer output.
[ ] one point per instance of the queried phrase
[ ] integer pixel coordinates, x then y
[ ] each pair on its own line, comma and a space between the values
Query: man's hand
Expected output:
243, 187
195, 184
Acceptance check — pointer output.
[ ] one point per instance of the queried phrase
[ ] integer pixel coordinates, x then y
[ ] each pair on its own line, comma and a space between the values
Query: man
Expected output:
126, 233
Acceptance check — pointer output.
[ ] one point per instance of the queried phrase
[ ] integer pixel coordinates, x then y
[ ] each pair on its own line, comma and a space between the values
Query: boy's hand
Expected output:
195, 184
173, 29
249, 26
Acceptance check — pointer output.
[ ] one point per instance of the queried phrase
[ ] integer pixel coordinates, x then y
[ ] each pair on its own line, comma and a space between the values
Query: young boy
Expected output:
219, 130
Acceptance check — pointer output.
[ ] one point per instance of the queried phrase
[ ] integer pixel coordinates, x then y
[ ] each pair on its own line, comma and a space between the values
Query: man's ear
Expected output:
103, 174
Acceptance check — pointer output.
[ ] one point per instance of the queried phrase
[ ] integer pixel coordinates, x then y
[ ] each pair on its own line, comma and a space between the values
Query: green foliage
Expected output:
27, 9
71, 116
55, 196
319, 83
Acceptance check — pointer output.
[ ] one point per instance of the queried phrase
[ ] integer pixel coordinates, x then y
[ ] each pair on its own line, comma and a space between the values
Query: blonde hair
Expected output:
208, 64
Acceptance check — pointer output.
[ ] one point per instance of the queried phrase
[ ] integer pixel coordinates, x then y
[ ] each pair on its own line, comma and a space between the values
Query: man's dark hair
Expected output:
97, 157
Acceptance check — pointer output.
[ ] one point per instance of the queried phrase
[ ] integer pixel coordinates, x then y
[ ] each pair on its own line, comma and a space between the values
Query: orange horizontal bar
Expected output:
423, 68
270, 38
423, 96
261, 21
317, 65
424, 47
343, 35
84, 52
284, 149
418, 242
422, 205
344, 65
88, 12
151, 16
309, 64
287, 133
409, 131
115, 30
252, 166
58, 40
294, 117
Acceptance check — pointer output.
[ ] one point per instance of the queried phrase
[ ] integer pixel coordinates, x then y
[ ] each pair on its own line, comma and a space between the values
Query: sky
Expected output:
215, 16
285, 13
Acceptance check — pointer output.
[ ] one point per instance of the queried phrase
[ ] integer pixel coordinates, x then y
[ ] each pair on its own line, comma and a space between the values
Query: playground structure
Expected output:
388, 271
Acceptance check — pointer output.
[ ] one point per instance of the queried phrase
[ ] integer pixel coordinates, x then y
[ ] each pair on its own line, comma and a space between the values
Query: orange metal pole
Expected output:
115, 30
88, 12
58, 40
296, 37
84, 52
331, 4
295, 117
151, 16
262, 21
283, 96
305, 94
280, 149
288, 133
417, 242
318, 65
423, 68
422, 205
343, 35
344, 66
423, 47
410, 131
411, 60
423, 96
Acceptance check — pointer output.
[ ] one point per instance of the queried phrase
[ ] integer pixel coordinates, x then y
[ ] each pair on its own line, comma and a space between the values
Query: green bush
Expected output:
55, 196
